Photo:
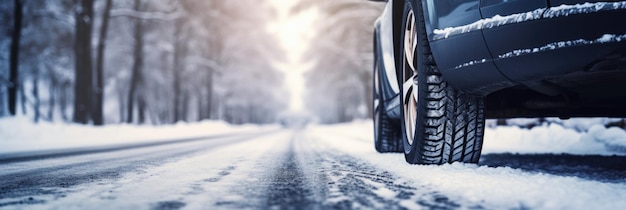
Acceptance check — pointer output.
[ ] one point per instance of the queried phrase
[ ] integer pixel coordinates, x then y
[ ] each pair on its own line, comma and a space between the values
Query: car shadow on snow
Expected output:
592, 167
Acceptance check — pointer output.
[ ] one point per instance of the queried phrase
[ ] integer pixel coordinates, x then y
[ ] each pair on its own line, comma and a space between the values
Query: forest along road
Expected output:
294, 169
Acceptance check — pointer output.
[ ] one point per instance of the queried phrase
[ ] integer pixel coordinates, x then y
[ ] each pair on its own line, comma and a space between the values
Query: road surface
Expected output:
298, 169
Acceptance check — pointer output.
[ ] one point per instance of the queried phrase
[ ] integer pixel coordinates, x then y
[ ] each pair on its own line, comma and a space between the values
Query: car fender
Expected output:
463, 59
387, 53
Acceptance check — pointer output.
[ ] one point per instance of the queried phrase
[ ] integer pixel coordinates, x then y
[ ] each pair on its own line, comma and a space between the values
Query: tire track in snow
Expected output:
555, 182
349, 182
40, 181
289, 188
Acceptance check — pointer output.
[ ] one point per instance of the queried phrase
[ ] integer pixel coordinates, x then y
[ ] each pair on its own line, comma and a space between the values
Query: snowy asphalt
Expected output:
285, 169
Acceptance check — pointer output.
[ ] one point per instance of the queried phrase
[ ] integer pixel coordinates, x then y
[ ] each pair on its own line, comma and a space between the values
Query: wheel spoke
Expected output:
410, 40
410, 107
409, 87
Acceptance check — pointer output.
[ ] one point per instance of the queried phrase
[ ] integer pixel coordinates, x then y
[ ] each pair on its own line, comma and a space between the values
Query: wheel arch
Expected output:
387, 91
397, 12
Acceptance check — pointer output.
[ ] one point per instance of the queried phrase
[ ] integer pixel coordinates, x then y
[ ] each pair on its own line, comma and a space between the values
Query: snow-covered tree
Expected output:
161, 61
339, 84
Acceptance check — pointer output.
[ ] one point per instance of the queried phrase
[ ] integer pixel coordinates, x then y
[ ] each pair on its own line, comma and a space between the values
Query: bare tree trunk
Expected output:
98, 118
84, 73
252, 116
54, 92
65, 89
121, 104
176, 70
2, 103
141, 109
366, 80
22, 97
14, 56
342, 113
201, 107
137, 77
217, 111
37, 101
185, 106
209, 96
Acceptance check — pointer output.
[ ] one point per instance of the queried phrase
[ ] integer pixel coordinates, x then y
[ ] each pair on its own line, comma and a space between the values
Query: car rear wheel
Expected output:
440, 124
386, 134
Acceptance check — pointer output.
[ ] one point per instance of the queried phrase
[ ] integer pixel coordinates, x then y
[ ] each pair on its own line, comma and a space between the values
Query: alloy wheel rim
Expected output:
409, 87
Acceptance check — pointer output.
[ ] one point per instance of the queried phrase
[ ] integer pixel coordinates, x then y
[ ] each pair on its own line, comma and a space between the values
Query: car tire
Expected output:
386, 133
440, 125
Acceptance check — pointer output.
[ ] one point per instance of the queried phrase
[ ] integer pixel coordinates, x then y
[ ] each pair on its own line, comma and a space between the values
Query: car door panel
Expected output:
526, 51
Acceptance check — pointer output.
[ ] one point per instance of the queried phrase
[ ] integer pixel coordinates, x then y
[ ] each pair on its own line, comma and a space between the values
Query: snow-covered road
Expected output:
315, 168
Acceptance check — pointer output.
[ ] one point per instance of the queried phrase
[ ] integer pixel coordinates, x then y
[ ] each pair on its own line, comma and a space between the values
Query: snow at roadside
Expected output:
498, 187
575, 136
21, 134
547, 138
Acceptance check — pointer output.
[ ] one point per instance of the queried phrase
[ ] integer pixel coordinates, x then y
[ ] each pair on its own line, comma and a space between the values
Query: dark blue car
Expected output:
444, 66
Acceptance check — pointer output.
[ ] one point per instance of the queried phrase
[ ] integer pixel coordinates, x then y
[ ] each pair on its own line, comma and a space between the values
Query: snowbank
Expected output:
473, 186
21, 134
547, 138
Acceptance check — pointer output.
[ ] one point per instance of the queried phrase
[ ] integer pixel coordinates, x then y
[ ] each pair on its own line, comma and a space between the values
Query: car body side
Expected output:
527, 58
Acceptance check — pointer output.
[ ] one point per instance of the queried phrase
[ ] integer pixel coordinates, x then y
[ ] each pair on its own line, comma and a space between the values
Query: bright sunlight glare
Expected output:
294, 32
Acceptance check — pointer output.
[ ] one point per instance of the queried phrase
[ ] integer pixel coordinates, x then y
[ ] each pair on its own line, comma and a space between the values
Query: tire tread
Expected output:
453, 122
